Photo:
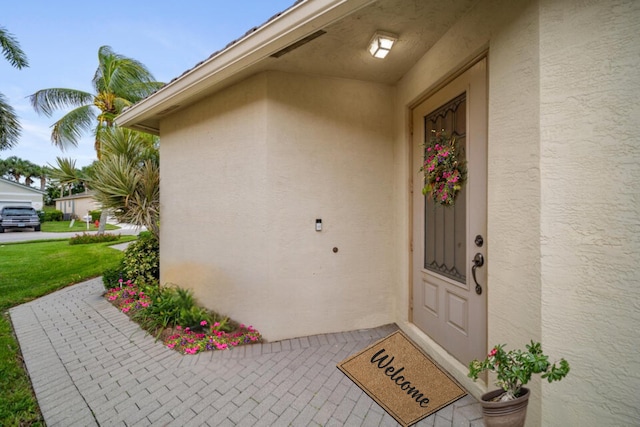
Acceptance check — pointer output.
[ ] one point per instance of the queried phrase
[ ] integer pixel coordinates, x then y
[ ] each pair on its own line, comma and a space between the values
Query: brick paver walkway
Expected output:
90, 365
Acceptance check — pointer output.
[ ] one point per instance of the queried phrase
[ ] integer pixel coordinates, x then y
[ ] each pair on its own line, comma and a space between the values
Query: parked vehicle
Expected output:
19, 217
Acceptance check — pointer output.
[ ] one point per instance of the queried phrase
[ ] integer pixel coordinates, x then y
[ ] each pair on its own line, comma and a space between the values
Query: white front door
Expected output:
449, 304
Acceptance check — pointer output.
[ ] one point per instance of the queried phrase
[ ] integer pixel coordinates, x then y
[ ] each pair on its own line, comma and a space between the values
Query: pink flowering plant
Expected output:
165, 312
515, 368
187, 341
128, 297
444, 171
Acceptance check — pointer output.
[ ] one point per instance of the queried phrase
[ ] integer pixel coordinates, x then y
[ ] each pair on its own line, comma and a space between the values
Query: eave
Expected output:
237, 60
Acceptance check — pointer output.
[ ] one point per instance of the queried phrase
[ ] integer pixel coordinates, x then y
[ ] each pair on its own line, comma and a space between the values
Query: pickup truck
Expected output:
18, 217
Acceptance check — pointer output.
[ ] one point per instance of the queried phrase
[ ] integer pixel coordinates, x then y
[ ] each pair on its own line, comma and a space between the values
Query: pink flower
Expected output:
179, 328
493, 352
171, 345
203, 323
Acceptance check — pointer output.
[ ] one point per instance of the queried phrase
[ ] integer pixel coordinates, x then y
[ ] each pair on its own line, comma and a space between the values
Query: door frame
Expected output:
440, 84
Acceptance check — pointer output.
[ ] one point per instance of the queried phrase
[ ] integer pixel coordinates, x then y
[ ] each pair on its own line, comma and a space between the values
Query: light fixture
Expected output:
381, 44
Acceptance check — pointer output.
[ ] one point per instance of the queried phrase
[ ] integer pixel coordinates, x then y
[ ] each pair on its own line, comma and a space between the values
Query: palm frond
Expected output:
45, 101
64, 171
68, 130
11, 49
9, 125
123, 76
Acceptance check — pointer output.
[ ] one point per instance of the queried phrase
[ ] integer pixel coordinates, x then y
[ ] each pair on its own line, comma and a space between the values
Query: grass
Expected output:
63, 226
28, 271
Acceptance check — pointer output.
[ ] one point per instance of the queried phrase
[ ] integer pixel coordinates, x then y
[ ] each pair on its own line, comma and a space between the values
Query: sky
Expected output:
61, 39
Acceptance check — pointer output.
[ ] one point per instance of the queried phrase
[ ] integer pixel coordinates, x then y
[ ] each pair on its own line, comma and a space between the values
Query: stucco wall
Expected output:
213, 197
590, 229
78, 206
245, 175
508, 32
563, 199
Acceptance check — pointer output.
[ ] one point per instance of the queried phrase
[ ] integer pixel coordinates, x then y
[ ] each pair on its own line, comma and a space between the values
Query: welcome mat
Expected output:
403, 380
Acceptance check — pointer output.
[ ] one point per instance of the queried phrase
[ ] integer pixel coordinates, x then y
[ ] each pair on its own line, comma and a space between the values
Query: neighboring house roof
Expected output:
22, 186
322, 37
87, 194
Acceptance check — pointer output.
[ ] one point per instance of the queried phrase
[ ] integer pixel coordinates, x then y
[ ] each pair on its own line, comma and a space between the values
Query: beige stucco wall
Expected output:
247, 172
590, 216
562, 227
78, 206
273, 154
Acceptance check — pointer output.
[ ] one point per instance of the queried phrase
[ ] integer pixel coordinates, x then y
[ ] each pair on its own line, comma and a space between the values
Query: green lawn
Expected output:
63, 226
28, 271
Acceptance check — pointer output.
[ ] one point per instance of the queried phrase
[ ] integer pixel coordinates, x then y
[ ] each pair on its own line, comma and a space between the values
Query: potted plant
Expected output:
507, 406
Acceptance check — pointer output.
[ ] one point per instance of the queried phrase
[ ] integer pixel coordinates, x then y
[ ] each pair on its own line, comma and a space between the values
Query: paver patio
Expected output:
91, 366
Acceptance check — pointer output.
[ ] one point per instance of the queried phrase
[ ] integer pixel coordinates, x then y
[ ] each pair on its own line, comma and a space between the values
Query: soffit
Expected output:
340, 52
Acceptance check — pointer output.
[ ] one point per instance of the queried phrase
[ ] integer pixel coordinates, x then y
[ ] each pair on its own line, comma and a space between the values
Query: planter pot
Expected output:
504, 414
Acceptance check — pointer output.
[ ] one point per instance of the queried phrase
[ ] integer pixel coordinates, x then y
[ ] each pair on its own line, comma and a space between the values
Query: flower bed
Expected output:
221, 334
191, 342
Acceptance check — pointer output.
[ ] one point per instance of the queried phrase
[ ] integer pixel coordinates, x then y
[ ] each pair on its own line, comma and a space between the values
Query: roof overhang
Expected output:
316, 37
235, 62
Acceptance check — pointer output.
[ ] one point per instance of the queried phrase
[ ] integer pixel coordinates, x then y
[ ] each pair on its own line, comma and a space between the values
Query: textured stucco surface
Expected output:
247, 172
590, 208
273, 154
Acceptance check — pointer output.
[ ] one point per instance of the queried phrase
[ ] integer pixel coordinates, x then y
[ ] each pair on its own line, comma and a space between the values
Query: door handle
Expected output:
478, 261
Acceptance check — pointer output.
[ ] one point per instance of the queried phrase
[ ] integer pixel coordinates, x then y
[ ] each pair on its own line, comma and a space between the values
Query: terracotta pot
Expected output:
504, 414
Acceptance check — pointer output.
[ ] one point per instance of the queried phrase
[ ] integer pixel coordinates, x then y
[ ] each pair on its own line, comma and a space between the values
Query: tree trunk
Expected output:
103, 221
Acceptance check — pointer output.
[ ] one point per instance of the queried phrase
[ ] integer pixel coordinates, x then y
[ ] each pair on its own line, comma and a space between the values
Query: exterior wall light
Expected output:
381, 43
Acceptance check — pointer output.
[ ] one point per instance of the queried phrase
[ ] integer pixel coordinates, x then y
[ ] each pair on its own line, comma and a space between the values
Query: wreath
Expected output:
444, 174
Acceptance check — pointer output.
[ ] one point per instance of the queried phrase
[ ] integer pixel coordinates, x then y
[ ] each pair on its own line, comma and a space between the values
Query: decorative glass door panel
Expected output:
444, 238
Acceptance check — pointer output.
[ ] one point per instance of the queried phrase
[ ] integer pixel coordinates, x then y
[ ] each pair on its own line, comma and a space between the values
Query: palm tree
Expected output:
118, 82
16, 167
31, 171
127, 178
65, 174
43, 174
9, 125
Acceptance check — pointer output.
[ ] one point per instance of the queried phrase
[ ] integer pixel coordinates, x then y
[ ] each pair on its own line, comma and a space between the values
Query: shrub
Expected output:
172, 306
53, 215
84, 238
141, 262
41, 216
111, 277
95, 215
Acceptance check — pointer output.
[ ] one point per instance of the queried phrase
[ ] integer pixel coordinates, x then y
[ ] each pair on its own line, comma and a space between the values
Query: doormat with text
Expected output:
403, 380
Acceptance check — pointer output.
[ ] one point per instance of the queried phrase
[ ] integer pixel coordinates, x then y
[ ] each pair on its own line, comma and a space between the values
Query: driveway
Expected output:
28, 235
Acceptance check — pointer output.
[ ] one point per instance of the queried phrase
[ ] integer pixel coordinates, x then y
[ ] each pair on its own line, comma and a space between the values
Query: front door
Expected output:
450, 295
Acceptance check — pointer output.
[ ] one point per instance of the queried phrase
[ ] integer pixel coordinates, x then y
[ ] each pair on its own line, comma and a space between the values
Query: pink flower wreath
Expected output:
444, 174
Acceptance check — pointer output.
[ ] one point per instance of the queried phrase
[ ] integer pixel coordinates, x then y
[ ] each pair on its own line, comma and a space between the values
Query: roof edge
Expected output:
23, 186
300, 20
